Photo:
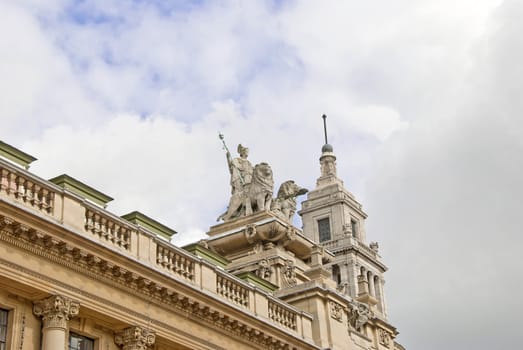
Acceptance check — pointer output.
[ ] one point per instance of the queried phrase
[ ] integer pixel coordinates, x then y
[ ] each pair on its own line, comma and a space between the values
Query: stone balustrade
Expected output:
232, 290
175, 261
282, 314
83, 218
26, 189
114, 231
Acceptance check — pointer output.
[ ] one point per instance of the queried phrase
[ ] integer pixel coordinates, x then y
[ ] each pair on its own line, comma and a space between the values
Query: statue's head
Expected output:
243, 151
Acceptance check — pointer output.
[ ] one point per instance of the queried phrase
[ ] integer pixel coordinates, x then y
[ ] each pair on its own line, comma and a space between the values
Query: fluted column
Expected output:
135, 338
55, 312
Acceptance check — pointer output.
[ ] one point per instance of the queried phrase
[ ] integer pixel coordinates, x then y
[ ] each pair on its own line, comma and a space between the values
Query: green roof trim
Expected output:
206, 254
15, 155
150, 224
257, 281
69, 183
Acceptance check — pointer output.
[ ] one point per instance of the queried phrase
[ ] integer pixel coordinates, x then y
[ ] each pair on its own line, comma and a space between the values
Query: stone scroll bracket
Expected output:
56, 310
135, 338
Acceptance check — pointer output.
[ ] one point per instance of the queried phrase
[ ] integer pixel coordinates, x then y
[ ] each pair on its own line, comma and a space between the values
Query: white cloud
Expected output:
422, 99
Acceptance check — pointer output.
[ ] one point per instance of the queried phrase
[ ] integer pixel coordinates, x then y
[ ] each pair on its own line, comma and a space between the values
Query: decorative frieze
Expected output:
135, 338
358, 315
56, 311
384, 337
336, 311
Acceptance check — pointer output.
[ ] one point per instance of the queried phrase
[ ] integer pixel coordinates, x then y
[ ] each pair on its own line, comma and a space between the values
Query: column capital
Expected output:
55, 311
135, 338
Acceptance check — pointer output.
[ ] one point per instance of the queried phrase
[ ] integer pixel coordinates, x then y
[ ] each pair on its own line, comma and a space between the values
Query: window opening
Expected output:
3, 328
324, 229
79, 342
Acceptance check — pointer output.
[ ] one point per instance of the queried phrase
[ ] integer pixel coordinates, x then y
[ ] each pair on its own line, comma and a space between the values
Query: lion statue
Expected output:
256, 195
259, 193
285, 204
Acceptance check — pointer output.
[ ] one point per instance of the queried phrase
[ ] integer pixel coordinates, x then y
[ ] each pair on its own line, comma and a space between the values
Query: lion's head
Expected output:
262, 176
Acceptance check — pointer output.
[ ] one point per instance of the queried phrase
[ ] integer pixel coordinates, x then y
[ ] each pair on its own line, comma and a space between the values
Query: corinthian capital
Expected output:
135, 338
56, 311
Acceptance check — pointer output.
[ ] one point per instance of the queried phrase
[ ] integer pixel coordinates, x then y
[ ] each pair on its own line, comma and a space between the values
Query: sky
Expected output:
424, 109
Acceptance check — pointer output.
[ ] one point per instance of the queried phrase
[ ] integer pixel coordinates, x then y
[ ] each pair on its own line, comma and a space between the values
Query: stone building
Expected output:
73, 275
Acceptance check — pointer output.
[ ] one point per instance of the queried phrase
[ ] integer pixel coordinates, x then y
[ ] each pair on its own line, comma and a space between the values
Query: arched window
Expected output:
370, 278
336, 275
379, 292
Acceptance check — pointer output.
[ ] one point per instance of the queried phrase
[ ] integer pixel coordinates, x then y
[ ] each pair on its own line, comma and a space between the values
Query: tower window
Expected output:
354, 228
79, 342
3, 328
336, 275
324, 229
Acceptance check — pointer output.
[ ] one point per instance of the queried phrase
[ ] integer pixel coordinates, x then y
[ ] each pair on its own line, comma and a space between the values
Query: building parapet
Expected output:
82, 219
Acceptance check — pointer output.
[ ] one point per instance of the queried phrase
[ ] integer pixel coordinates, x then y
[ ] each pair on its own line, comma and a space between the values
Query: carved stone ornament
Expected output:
275, 234
289, 274
384, 337
264, 269
343, 288
135, 338
56, 311
374, 246
336, 311
285, 203
358, 315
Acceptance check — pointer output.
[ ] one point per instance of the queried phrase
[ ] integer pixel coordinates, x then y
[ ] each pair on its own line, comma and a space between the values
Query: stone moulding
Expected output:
70, 256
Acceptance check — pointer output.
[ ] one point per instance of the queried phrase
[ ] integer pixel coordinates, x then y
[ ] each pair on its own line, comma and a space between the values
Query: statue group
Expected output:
252, 189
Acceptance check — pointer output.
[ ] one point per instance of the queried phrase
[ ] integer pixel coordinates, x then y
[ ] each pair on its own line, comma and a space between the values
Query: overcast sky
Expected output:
424, 110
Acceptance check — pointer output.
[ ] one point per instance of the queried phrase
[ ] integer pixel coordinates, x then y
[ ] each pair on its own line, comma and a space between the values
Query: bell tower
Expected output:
333, 217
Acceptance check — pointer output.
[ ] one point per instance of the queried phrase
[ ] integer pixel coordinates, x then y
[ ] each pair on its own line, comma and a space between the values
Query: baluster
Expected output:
96, 228
109, 227
159, 255
4, 180
50, 202
88, 220
44, 203
29, 191
36, 199
219, 285
11, 188
20, 192
103, 228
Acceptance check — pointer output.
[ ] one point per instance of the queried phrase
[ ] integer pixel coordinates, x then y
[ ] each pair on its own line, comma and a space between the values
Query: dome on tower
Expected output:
327, 148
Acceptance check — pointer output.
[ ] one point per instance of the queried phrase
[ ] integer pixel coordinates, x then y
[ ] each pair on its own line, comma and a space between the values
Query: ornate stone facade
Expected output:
257, 282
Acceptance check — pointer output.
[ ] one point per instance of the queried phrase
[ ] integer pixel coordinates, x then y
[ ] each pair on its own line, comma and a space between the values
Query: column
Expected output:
55, 313
135, 338
370, 278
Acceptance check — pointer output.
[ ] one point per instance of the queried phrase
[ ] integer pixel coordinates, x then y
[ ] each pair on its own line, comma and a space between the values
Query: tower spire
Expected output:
326, 147
325, 127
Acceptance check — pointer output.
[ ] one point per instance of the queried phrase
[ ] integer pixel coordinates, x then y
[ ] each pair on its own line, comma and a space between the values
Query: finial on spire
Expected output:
325, 127
326, 147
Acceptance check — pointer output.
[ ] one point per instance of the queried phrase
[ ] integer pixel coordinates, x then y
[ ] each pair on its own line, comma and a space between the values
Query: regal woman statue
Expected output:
241, 176
241, 170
